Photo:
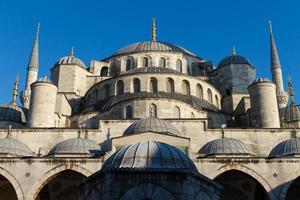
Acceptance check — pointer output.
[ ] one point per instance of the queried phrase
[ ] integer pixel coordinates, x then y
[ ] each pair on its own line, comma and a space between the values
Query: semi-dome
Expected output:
153, 70
12, 147
225, 146
70, 60
76, 146
290, 113
289, 147
150, 155
151, 124
234, 59
13, 113
152, 46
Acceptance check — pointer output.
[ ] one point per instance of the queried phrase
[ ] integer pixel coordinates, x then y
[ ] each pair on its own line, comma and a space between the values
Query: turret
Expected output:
32, 70
282, 96
264, 107
42, 105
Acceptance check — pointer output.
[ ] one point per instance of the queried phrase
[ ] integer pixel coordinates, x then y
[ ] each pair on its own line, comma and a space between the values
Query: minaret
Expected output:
153, 29
291, 92
15, 91
282, 96
32, 70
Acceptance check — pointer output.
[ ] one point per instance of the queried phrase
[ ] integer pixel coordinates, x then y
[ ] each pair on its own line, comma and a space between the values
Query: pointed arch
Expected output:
185, 87
13, 181
209, 96
152, 110
176, 112
199, 91
145, 62
179, 65
104, 71
170, 86
162, 62
136, 85
153, 85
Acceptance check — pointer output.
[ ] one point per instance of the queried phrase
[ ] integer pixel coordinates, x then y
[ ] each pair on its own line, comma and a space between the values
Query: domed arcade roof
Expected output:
13, 113
12, 147
76, 146
286, 148
290, 113
70, 60
225, 146
150, 155
151, 124
152, 46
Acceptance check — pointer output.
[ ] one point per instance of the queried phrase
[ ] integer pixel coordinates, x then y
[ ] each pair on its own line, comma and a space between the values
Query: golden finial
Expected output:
15, 91
72, 51
233, 51
153, 29
291, 91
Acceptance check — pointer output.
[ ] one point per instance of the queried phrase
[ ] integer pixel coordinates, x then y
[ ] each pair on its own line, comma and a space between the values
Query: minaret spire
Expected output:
32, 69
291, 91
15, 91
153, 29
282, 96
233, 51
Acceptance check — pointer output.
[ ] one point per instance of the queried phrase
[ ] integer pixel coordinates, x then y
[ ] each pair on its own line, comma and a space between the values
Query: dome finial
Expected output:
15, 91
153, 29
291, 91
233, 51
72, 51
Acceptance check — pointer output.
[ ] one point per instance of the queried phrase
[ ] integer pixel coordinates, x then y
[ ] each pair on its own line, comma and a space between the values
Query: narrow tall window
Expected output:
152, 110
128, 64
176, 112
104, 71
209, 95
136, 85
179, 65
120, 87
199, 91
145, 62
186, 87
170, 86
194, 68
217, 101
153, 85
162, 62
128, 112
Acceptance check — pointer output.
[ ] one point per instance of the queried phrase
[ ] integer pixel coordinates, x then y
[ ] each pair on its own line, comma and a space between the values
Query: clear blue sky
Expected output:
97, 28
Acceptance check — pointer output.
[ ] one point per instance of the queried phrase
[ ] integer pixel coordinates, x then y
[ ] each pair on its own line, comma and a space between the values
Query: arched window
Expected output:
152, 110
106, 91
170, 86
145, 62
199, 91
193, 68
179, 65
209, 95
118, 67
153, 85
192, 115
176, 112
217, 101
186, 87
128, 112
136, 85
104, 71
162, 62
128, 64
120, 87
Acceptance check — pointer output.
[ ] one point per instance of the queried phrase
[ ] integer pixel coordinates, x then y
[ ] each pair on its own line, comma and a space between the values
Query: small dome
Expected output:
150, 155
12, 147
76, 146
152, 70
290, 113
151, 124
70, 60
234, 59
286, 148
13, 113
225, 146
152, 46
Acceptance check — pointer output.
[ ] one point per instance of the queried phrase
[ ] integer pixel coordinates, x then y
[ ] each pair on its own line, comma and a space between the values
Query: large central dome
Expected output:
152, 46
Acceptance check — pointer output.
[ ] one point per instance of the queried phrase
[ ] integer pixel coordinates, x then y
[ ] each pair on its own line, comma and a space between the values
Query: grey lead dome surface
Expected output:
13, 113
151, 124
290, 113
150, 155
70, 60
78, 146
152, 46
12, 147
234, 59
225, 146
286, 148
